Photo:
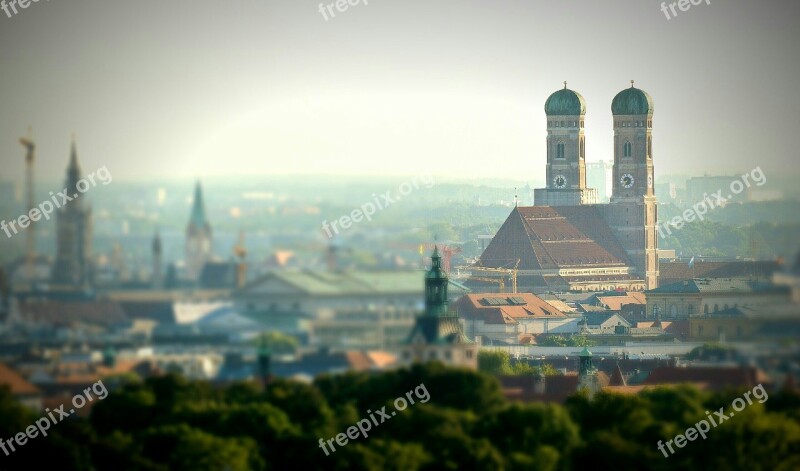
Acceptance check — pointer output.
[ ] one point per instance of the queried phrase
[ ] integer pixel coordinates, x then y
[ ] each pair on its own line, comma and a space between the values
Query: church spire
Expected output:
73, 169
198, 216
198, 237
436, 287
73, 153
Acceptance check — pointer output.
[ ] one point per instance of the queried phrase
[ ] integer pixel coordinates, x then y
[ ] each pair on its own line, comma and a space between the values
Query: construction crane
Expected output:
240, 252
30, 239
510, 272
446, 251
498, 281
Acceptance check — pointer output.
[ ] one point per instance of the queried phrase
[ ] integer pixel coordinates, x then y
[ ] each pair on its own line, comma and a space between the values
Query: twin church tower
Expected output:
566, 148
567, 241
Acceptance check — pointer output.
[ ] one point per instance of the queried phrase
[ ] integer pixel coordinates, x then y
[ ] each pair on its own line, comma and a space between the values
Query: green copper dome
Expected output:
565, 102
632, 101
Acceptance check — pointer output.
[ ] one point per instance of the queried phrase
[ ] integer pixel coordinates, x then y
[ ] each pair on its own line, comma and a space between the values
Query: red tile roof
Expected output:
81, 373
19, 386
495, 308
557, 388
615, 303
717, 377
544, 237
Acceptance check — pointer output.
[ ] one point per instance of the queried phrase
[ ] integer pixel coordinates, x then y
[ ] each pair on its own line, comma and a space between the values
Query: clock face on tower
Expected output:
627, 180
560, 181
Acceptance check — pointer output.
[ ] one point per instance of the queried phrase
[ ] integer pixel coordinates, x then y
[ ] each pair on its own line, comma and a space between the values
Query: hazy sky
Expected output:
196, 88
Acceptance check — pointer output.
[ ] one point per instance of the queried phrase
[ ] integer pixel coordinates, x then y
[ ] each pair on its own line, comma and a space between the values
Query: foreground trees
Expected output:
170, 423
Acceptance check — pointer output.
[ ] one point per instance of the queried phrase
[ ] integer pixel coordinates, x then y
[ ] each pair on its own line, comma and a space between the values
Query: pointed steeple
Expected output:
198, 237
73, 154
73, 169
197, 220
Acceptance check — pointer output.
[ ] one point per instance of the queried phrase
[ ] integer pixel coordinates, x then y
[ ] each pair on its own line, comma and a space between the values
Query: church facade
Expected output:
437, 334
568, 242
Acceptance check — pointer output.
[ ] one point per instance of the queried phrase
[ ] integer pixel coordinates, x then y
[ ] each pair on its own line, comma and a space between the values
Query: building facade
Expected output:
566, 241
701, 297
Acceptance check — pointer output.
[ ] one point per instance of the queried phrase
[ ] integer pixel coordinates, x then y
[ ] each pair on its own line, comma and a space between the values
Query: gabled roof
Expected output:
560, 305
494, 308
615, 303
599, 318
19, 386
545, 237
586, 308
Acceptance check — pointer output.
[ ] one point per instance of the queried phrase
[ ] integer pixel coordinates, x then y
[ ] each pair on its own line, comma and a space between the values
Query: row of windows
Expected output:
673, 309
560, 150
716, 307
564, 124
633, 124
627, 148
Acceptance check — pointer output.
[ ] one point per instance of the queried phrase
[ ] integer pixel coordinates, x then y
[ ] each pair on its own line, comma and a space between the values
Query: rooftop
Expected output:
344, 283
718, 285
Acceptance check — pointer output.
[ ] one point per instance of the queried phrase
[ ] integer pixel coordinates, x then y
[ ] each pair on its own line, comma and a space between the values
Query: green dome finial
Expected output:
632, 101
565, 102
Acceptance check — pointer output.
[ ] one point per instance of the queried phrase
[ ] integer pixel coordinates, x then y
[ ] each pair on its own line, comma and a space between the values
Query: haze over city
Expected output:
270, 87
399, 235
